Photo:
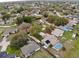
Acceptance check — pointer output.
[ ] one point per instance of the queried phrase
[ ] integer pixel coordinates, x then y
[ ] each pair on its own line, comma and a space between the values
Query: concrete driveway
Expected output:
4, 44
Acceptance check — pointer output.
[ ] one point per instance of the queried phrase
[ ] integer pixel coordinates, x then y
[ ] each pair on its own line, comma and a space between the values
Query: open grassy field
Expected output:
74, 52
41, 54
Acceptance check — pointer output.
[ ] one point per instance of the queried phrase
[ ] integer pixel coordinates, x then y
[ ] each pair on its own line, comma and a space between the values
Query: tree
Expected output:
35, 30
5, 17
19, 39
61, 21
45, 14
27, 19
57, 20
51, 18
20, 10
19, 20
76, 29
49, 29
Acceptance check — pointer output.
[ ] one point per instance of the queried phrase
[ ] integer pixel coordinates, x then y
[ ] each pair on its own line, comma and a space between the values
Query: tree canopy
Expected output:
19, 20
35, 30
5, 17
57, 20
20, 10
19, 39
27, 19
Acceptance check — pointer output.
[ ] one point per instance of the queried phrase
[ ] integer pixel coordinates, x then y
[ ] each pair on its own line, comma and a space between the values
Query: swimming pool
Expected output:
57, 46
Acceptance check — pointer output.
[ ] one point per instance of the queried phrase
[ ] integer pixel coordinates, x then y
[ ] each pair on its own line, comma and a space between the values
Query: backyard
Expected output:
66, 36
11, 50
74, 52
41, 54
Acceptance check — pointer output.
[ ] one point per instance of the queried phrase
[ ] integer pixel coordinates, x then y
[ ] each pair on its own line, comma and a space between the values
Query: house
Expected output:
65, 28
9, 31
57, 32
50, 40
57, 46
5, 55
24, 26
28, 50
72, 22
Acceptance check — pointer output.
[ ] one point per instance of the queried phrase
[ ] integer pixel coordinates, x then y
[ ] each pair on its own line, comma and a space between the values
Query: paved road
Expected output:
8, 26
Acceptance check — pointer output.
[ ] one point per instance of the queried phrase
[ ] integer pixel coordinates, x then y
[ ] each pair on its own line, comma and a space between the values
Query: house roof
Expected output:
53, 39
30, 48
57, 32
9, 30
24, 25
65, 28
73, 22
5, 55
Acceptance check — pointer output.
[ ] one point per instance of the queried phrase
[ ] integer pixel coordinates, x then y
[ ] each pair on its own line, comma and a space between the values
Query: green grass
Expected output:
1, 8
67, 36
74, 52
11, 50
0, 48
62, 14
76, 26
1, 31
41, 54
39, 37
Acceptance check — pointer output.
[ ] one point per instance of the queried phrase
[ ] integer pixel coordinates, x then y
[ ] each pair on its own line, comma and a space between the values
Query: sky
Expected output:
33, 0
9, 0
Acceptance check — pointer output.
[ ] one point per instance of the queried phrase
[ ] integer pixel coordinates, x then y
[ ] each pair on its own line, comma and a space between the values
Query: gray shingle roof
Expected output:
25, 25
9, 30
27, 50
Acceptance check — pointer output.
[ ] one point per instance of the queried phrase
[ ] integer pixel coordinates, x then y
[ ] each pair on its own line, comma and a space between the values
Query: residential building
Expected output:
28, 50
50, 40
57, 32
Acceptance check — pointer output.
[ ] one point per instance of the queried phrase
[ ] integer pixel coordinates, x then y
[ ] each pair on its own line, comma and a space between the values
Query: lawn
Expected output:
1, 8
0, 48
74, 52
76, 26
41, 54
1, 31
39, 37
66, 36
11, 50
